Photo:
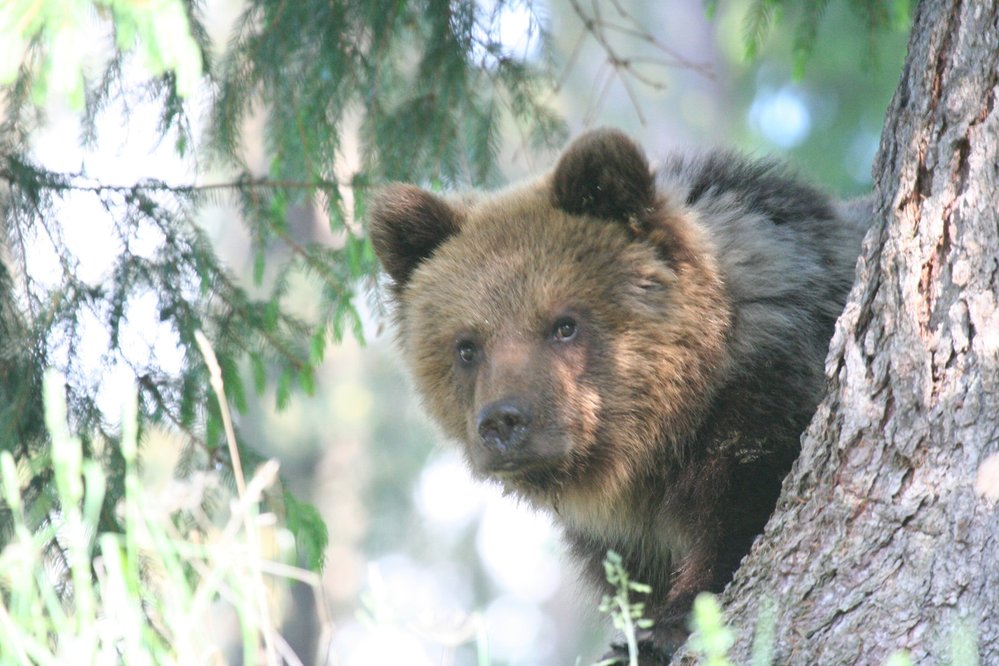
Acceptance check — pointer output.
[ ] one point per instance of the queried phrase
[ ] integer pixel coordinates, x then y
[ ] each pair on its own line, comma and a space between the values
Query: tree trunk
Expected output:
886, 537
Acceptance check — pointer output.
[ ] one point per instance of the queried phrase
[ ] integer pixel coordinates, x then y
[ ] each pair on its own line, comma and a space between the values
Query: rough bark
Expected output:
886, 535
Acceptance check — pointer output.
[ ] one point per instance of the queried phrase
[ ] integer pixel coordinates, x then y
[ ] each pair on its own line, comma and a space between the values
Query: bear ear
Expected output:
603, 173
406, 225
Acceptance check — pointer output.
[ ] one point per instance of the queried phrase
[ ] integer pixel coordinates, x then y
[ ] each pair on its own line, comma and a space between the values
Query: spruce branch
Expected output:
74, 182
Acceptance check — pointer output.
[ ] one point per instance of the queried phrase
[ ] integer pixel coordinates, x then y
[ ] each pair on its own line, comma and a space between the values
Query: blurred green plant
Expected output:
899, 659
710, 637
804, 18
627, 616
143, 596
53, 39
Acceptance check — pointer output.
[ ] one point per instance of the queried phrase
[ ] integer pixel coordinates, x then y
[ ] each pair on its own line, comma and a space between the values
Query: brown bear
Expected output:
635, 351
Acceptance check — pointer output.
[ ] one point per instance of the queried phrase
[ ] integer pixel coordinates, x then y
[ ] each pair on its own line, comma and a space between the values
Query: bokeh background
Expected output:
424, 565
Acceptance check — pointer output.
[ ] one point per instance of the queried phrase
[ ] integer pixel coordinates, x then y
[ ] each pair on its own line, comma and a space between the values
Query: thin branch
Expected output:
149, 385
62, 182
570, 62
636, 30
634, 97
623, 67
302, 253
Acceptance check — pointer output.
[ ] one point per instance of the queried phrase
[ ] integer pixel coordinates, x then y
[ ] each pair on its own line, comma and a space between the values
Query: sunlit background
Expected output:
426, 566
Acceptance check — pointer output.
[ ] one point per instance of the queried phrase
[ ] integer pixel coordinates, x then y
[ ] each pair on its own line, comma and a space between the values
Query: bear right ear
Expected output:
603, 173
406, 225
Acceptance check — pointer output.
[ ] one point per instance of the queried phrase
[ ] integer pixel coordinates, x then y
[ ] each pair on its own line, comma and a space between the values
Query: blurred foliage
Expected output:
710, 637
842, 81
52, 38
804, 17
145, 596
427, 84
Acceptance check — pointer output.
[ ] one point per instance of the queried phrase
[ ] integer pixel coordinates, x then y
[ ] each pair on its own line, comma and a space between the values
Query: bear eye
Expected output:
564, 329
467, 352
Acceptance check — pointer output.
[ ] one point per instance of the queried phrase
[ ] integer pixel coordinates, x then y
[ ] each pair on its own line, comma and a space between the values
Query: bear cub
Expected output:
636, 352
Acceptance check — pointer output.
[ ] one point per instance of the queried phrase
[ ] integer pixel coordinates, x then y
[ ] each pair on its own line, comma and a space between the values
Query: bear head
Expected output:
569, 332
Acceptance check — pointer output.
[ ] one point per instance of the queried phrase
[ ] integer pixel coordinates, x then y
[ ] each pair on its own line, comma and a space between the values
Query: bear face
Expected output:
569, 332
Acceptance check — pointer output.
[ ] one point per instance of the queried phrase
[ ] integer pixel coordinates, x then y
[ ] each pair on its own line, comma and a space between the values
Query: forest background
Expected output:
259, 167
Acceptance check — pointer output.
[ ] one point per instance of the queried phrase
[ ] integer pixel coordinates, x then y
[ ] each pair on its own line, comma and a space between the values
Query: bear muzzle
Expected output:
516, 443
504, 426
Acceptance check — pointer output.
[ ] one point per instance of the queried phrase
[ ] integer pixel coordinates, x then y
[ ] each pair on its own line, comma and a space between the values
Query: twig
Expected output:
623, 67
248, 496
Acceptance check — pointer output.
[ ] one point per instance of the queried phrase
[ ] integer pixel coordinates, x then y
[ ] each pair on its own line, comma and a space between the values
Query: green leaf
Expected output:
9, 481
762, 16
317, 347
283, 391
355, 249
272, 312
259, 264
233, 383
711, 637
307, 380
309, 530
162, 34
335, 209
213, 426
259, 371
901, 14
277, 211
96, 485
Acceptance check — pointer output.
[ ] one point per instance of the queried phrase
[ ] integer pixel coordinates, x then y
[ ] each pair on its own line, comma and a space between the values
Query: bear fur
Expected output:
636, 352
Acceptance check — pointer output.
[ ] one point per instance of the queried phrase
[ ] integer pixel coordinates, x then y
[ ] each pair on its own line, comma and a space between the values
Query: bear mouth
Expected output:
508, 466
537, 460
525, 472
513, 466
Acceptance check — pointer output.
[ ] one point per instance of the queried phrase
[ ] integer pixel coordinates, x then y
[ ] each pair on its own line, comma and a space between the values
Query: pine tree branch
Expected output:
69, 182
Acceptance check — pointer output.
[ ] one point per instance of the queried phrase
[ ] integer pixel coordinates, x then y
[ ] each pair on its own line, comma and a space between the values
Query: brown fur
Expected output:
643, 432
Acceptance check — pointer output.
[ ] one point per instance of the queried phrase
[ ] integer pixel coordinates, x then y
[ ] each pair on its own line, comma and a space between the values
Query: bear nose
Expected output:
503, 424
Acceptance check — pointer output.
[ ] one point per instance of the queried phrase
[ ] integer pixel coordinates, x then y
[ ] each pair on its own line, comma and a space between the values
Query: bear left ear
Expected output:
406, 225
603, 173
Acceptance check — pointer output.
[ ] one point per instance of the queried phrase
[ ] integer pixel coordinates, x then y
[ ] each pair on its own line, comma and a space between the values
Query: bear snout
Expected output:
503, 425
